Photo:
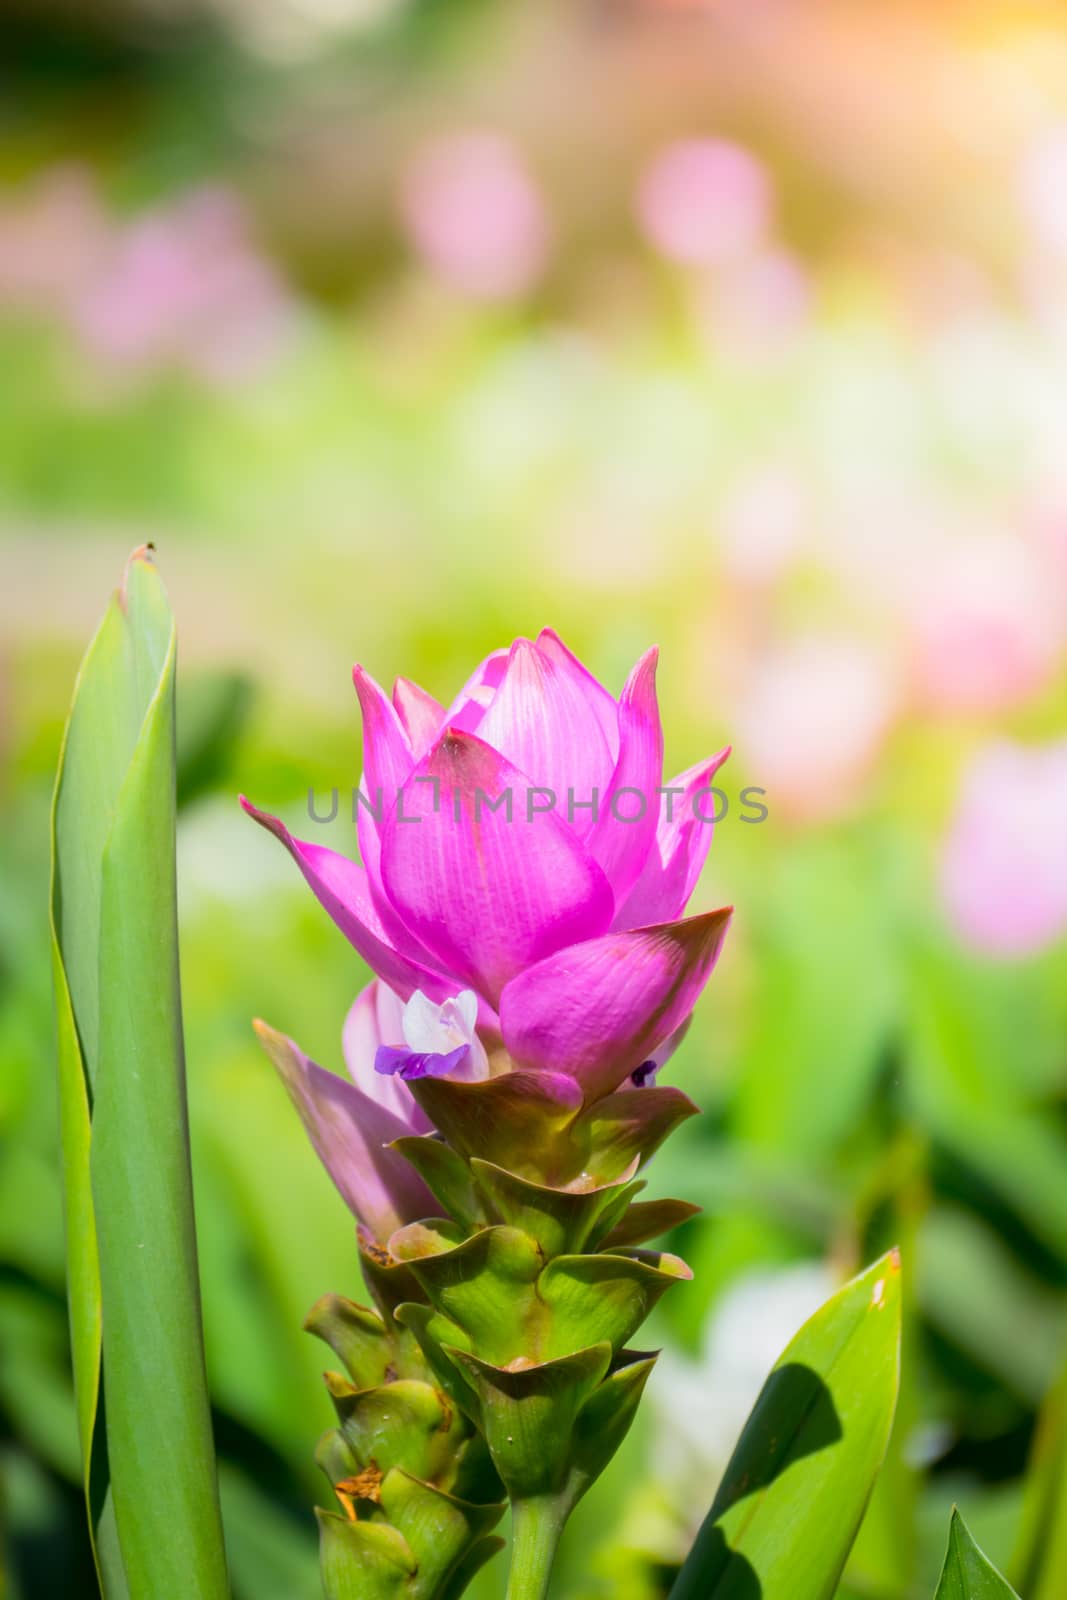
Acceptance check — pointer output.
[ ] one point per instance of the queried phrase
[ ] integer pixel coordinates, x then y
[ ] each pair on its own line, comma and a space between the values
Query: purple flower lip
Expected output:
391, 1059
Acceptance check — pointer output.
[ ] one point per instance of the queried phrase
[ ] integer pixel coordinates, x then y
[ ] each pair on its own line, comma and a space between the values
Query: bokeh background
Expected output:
403, 327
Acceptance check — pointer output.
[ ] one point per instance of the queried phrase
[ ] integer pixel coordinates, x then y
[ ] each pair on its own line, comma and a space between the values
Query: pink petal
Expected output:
350, 1132
475, 697
626, 826
598, 1010
387, 761
342, 889
542, 721
676, 860
421, 715
486, 895
376, 1018
604, 705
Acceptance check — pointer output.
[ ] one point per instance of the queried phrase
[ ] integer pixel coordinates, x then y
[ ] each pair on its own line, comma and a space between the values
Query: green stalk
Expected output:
536, 1527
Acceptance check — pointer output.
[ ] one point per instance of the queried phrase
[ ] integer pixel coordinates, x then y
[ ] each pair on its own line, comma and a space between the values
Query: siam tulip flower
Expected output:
1004, 865
521, 845
523, 877
475, 216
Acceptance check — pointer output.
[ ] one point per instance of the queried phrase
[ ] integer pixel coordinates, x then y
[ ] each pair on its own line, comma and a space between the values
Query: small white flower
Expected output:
435, 1029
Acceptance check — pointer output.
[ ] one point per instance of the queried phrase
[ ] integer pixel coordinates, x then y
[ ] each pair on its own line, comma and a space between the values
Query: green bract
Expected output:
526, 1319
419, 1493
501, 1357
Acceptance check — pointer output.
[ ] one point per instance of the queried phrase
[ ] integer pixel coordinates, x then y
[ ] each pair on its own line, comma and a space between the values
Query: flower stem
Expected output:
535, 1529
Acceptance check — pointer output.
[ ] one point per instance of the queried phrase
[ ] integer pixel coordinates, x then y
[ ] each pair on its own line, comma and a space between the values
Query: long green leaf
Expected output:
1039, 1564
794, 1493
143, 1414
967, 1573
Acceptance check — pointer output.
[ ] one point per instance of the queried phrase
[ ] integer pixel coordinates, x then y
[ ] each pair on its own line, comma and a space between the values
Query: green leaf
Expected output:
131, 1251
270, 1555
965, 1022
967, 1574
977, 1293
794, 1493
1039, 1564
213, 709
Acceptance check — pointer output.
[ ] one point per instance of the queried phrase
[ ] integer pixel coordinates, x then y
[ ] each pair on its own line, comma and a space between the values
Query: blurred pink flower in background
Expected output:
474, 215
53, 235
761, 524
986, 624
1004, 862
813, 717
704, 202
183, 284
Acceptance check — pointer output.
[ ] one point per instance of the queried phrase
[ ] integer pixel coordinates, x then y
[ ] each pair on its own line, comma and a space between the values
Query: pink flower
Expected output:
704, 202
815, 716
182, 284
987, 624
474, 215
522, 845
1004, 863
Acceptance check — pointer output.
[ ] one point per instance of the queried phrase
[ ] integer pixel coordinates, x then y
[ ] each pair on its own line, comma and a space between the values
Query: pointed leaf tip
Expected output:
968, 1574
